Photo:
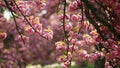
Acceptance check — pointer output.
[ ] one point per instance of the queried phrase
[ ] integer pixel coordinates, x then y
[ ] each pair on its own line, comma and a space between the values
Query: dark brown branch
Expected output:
92, 21
95, 12
65, 32
17, 27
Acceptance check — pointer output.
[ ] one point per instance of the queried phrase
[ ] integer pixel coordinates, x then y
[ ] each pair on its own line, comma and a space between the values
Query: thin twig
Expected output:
17, 27
65, 32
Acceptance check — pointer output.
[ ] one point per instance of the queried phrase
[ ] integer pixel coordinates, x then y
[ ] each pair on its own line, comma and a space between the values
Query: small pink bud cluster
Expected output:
73, 6
73, 48
67, 64
95, 56
38, 27
88, 39
20, 38
27, 7
73, 34
48, 33
61, 16
33, 26
75, 18
24, 7
60, 45
83, 54
94, 34
40, 4
73, 37
29, 30
62, 58
73, 41
107, 64
68, 26
80, 43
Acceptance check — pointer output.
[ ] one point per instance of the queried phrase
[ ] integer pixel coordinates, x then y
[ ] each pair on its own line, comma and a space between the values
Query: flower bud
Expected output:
3, 35
75, 18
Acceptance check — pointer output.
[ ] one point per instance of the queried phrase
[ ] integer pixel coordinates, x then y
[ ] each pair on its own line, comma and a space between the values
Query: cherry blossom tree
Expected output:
46, 31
